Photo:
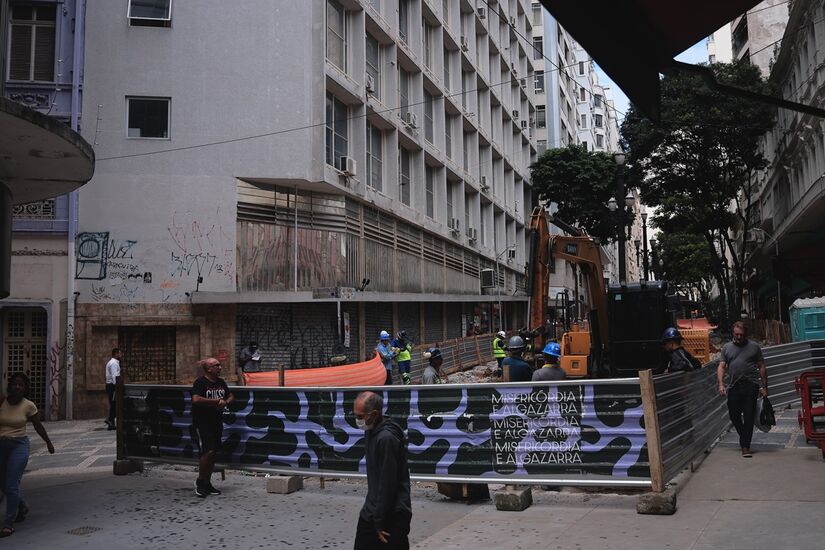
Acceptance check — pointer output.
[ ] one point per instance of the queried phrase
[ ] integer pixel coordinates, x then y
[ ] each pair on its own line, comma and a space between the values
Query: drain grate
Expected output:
85, 530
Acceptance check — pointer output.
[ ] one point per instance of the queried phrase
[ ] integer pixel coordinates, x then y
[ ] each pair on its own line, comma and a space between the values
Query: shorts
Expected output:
209, 435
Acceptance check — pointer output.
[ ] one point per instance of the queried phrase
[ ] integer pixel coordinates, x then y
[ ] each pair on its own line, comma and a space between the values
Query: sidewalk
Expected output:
773, 500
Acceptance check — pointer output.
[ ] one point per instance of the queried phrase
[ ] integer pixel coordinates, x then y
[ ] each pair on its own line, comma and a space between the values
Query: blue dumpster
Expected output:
808, 319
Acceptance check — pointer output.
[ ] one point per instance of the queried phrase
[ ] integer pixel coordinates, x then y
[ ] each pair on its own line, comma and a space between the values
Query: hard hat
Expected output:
432, 353
402, 335
384, 335
501, 334
671, 333
516, 343
553, 348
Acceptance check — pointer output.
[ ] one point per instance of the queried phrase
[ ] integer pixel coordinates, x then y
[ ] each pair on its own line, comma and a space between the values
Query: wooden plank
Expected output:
654, 444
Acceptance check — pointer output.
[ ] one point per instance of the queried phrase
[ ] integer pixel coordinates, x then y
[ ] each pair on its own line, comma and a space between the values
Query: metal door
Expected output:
25, 350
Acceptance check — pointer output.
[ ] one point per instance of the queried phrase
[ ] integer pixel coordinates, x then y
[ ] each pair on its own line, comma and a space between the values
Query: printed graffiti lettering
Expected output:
91, 254
200, 250
187, 265
121, 248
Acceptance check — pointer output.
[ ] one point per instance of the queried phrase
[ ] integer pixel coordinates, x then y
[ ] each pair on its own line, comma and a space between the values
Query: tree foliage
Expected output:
700, 161
580, 182
685, 262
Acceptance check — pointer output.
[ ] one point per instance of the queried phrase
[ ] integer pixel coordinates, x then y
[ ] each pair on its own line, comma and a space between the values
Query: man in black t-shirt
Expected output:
210, 395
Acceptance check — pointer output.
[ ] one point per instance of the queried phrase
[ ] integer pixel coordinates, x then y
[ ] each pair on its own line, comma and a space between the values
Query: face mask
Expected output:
361, 423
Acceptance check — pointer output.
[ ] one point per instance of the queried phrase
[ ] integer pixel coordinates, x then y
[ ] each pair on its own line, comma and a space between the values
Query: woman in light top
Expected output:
15, 412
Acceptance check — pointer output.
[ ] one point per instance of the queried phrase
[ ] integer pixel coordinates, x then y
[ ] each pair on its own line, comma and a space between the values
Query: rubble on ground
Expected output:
476, 375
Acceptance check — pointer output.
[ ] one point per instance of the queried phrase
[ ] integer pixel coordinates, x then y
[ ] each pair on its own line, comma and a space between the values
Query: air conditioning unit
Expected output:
513, 67
483, 184
512, 21
348, 166
472, 234
522, 82
465, 46
482, 12
453, 223
515, 114
524, 125
511, 254
370, 84
752, 236
411, 120
488, 278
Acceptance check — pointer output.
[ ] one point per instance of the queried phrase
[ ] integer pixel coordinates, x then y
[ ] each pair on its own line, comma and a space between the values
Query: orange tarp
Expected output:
367, 373
700, 324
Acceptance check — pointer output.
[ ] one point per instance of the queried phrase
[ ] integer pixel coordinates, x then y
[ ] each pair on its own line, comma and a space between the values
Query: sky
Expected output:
698, 53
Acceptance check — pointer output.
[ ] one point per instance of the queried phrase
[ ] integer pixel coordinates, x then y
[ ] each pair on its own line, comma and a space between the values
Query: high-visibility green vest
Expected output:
404, 353
498, 350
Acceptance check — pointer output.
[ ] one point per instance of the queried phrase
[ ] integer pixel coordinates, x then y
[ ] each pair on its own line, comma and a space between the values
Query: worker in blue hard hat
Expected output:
552, 369
679, 359
387, 354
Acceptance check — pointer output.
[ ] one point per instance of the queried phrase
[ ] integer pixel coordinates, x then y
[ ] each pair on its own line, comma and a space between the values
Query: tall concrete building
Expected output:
254, 158
787, 234
41, 67
755, 34
720, 46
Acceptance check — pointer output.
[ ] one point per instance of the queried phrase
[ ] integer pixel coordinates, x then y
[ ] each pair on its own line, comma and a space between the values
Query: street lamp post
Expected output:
638, 243
498, 287
644, 242
654, 265
613, 205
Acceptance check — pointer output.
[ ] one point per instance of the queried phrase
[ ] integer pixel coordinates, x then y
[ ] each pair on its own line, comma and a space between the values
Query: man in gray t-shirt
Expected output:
747, 379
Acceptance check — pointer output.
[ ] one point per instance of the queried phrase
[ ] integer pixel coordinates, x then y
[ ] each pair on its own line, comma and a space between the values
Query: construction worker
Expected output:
551, 369
387, 354
515, 368
404, 358
679, 359
432, 374
499, 350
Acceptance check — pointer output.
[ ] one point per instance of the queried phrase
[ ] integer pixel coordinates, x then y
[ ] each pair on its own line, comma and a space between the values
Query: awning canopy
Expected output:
636, 40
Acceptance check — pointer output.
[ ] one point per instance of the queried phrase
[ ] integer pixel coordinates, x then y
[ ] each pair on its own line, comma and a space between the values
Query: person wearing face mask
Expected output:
384, 521
747, 379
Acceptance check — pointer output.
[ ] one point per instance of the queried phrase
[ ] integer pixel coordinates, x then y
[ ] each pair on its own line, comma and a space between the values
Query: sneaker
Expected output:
200, 489
210, 489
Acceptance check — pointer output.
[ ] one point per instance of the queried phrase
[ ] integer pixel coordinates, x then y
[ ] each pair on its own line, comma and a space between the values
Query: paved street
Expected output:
773, 500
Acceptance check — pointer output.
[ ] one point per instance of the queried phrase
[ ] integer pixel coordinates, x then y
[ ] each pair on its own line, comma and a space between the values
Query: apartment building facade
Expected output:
755, 35
787, 234
369, 153
41, 67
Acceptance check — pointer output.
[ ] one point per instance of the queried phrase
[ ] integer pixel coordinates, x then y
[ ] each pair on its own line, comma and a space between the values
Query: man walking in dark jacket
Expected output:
384, 521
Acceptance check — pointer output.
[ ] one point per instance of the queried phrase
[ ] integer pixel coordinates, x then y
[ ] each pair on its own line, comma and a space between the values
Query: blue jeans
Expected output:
404, 366
14, 455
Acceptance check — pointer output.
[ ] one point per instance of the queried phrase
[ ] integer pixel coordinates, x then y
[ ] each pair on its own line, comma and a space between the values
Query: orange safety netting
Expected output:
700, 324
366, 373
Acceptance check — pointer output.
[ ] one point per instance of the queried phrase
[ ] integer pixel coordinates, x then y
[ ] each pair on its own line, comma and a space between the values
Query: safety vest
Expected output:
498, 350
404, 353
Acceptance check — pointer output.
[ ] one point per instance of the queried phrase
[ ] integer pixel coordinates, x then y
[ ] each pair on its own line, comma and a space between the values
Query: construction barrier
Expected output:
366, 373
570, 433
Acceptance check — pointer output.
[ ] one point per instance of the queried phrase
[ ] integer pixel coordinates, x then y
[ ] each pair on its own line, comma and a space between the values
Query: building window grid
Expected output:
538, 48
404, 20
404, 180
147, 117
428, 116
430, 192
336, 47
337, 130
403, 92
597, 121
538, 82
375, 157
32, 43
373, 64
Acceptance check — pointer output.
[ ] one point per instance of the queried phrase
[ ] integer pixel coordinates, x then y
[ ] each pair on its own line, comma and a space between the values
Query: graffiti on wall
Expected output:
533, 431
200, 249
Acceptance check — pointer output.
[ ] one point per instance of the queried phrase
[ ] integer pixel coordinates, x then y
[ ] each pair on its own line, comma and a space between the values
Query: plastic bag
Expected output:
764, 417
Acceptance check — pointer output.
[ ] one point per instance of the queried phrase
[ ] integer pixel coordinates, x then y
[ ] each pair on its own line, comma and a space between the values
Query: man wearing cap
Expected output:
551, 369
515, 368
433, 371
387, 354
499, 349
680, 360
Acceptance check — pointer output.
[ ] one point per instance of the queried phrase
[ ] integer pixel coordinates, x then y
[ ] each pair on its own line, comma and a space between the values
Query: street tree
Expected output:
580, 182
698, 165
684, 261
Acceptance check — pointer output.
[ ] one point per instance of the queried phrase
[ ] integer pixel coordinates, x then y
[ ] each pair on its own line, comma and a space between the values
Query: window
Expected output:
375, 157
450, 205
541, 117
376, 5
404, 20
32, 43
148, 117
428, 116
447, 63
429, 44
538, 82
430, 191
536, 15
445, 12
403, 92
374, 64
712, 58
538, 48
584, 144
597, 121
404, 175
581, 67
448, 135
467, 204
150, 13
336, 34
337, 130
541, 145
597, 100
149, 353
582, 94
600, 141
584, 121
